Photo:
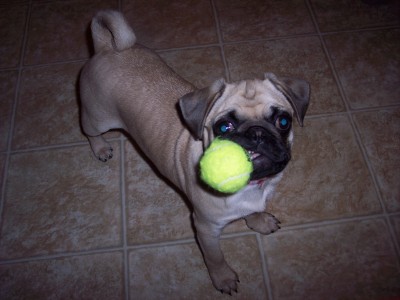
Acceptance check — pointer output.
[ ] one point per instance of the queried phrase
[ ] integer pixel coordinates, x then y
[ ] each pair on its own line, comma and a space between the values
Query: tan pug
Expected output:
127, 86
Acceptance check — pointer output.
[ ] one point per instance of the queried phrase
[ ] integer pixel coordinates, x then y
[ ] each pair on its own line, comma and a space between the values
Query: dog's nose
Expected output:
257, 134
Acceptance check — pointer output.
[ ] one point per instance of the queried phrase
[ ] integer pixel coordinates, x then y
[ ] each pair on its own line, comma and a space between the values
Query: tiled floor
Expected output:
76, 228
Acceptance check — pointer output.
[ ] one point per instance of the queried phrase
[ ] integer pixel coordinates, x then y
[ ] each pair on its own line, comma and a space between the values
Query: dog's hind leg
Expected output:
100, 147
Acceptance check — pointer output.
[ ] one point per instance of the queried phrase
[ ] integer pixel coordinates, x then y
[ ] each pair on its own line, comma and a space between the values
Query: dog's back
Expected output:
127, 86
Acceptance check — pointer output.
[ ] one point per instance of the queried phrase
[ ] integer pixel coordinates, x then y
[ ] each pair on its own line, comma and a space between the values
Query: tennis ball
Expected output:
225, 166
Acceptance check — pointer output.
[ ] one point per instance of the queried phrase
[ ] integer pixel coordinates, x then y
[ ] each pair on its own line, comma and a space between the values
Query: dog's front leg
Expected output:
223, 277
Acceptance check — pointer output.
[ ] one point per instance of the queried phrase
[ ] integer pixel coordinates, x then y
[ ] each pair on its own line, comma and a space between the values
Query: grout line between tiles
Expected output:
59, 255
394, 239
48, 147
374, 108
358, 30
55, 63
58, 146
186, 48
220, 40
9, 69
331, 222
162, 244
236, 234
245, 41
264, 265
316, 224
123, 218
121, 248
358, 110
13, 113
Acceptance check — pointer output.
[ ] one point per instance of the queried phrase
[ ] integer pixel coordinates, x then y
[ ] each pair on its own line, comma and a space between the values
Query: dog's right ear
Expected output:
196, 105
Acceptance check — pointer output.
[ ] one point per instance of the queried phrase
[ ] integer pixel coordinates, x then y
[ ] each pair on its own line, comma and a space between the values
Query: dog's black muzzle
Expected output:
268, 150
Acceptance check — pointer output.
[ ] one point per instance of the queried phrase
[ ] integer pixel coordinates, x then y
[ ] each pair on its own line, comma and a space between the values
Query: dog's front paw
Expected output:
225, 279
263, 222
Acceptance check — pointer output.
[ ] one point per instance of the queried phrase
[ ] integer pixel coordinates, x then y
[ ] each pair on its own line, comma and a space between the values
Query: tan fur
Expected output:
129, 87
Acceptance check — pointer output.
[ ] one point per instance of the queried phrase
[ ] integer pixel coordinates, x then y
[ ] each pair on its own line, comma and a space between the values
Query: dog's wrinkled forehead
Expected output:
254, 99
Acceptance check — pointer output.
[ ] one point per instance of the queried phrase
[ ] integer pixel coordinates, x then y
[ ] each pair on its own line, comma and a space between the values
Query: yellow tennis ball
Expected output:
225, 166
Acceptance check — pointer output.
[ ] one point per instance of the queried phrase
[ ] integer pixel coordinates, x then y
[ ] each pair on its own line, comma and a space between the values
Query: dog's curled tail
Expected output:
110, 31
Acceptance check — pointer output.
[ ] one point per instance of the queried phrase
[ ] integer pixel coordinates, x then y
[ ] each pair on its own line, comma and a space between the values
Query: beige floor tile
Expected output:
47, 112
368, 65
347, 261
171, 24
8, 82
380, 135
12, 26
178, 272
60, 200
327, 178
155, 211
199, 66
349, 14
96, 276
255, 19
60, 30
300, 58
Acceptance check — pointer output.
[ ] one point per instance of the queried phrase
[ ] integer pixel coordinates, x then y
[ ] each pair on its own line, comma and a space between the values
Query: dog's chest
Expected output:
253, 198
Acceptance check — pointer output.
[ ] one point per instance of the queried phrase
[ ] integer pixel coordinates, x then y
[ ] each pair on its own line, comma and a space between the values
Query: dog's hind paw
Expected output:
101, 149
105, 154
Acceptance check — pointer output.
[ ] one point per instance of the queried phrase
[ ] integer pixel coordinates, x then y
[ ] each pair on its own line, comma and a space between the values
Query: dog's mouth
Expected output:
264, 167
253, 155
257, 158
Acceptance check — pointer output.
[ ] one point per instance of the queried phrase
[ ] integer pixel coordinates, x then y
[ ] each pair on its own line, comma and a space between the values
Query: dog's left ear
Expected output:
196, 105
296, 91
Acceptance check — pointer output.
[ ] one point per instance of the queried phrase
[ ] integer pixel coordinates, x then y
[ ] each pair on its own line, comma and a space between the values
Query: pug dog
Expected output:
127, 86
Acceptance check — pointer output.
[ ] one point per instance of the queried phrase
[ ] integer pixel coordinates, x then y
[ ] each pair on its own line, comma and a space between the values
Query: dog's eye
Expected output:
282, 123
225, 127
